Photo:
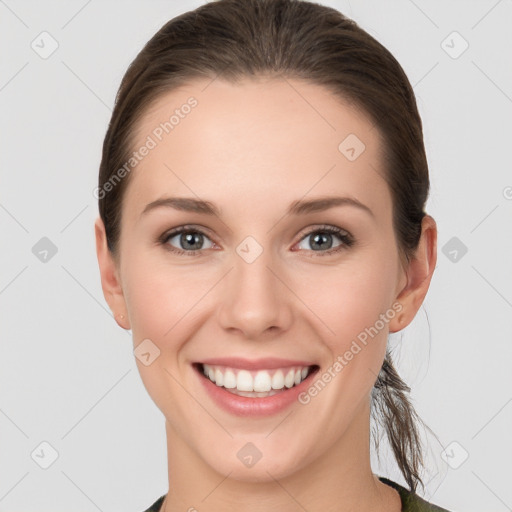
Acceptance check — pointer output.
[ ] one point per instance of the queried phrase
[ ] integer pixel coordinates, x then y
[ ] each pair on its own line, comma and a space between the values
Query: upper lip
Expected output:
255, 364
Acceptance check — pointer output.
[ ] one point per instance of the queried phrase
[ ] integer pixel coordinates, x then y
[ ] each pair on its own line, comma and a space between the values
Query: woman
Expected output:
246, 135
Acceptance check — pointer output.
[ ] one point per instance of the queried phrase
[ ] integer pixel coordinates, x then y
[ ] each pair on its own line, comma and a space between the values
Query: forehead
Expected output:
270, 140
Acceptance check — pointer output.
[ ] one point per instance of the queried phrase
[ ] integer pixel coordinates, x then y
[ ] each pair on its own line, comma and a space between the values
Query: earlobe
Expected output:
419, 274
109, 273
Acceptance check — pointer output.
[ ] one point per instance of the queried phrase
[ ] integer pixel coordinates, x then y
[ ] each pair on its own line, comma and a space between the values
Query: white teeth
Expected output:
289, 379
262, 382
229, 379
244, 381
256, 381
219, 377
278, 380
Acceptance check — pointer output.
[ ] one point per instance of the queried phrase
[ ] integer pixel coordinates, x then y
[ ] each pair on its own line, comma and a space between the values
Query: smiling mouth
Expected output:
256, 383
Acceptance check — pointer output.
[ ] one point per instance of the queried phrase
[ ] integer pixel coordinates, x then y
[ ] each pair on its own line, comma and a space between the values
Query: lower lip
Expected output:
248, 406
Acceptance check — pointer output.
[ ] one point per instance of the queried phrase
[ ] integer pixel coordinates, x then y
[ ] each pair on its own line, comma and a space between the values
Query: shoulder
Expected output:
411, 502
156, 506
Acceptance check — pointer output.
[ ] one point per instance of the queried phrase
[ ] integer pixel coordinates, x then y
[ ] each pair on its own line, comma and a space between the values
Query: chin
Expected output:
267, 468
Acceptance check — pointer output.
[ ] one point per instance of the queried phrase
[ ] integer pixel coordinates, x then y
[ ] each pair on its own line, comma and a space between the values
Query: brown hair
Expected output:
234, 39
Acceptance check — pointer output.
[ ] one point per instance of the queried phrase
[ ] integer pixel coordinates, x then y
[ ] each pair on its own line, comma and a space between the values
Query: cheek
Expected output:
351, 299
161, 303
353, 310
159, 298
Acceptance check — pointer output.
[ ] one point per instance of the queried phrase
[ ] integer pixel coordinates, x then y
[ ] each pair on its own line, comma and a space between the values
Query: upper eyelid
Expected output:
302, 234
171, 233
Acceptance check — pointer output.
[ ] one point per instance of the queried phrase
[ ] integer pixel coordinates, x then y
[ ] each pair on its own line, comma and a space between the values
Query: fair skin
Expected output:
252, 149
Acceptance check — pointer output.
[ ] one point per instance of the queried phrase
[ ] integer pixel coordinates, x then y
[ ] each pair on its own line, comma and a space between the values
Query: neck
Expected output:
340, 479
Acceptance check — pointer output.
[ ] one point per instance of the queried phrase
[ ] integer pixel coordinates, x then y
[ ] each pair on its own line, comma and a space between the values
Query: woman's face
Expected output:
253, 280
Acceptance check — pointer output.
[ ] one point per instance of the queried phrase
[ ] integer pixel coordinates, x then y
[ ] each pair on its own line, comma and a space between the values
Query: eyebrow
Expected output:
299, 207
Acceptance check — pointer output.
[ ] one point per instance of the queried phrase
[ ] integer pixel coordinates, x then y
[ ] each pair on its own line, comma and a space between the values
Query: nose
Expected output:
255, 300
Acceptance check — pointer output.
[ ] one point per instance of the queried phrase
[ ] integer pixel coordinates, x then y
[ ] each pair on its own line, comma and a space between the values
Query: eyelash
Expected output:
346, 238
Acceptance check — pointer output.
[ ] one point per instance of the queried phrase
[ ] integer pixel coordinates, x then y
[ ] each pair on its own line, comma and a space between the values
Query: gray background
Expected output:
67, 372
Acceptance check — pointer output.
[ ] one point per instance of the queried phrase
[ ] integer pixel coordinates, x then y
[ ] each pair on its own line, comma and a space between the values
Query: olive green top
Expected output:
411, 502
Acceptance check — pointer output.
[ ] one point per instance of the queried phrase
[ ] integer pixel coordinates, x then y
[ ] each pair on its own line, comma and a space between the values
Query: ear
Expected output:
419, 273
110, 282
